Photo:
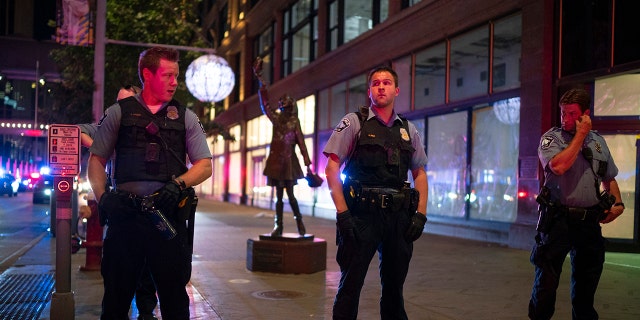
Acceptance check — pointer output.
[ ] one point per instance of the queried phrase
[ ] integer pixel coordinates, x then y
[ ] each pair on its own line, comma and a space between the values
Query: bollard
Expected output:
93, 241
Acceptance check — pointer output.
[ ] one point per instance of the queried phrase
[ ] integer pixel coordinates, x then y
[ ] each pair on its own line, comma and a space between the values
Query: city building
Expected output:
480, 78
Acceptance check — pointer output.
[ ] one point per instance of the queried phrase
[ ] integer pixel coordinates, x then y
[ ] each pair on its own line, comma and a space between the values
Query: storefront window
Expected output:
494, 161
617, 96
624, 152
447, 167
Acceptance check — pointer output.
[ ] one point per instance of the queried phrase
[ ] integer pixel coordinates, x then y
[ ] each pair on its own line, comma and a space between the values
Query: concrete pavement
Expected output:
449, 278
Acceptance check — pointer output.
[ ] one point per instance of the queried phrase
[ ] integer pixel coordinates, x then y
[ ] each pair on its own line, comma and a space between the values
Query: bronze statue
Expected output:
283, 169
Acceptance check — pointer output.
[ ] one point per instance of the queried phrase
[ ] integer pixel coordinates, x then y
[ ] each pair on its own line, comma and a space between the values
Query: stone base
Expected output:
290, 253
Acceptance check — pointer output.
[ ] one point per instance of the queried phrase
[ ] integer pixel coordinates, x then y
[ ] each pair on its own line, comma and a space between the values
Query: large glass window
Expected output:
490, 176
624, 152
357, 93
617, 96
349, 19
431, 69
494, 161
235, 163
507, 38
586, 35
338, 102
218, 174
299, 36
263, 48
447, 167
402, 67
469, 61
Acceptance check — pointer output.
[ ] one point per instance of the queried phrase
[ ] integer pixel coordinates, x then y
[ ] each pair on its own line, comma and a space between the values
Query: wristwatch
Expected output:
617, 204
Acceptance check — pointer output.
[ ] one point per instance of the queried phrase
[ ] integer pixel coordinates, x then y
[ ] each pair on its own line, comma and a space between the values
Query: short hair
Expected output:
578, 96
150, 59
383, 68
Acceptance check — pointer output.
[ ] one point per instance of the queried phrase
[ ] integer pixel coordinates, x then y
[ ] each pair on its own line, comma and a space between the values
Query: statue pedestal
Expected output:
290, 253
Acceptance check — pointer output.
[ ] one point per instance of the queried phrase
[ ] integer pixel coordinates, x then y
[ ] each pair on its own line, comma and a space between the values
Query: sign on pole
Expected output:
64, 150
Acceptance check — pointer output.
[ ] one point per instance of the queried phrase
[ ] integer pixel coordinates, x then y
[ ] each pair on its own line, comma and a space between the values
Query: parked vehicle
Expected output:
43, 189
9, 185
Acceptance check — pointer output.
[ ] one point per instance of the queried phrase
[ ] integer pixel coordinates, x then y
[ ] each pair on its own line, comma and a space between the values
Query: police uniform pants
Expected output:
131, 241
584, 241
377, 230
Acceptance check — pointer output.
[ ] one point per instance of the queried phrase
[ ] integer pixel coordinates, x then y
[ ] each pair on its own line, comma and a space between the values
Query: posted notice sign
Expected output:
64, 150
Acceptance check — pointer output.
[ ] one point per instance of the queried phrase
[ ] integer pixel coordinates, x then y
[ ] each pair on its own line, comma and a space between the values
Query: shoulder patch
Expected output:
546, 142
104, 115
344, 123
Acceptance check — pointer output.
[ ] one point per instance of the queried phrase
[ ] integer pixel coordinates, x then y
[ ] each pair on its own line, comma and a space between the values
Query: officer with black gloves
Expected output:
152, 135
376, 209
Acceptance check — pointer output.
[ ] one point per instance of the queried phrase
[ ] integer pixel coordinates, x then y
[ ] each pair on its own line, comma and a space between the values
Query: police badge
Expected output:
172, 112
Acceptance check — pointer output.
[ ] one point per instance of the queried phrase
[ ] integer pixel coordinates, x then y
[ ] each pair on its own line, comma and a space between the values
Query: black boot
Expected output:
296, 214
277, 222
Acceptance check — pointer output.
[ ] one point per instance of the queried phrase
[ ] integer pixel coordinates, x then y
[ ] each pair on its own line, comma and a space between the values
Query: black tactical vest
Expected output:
382, 155
141, 154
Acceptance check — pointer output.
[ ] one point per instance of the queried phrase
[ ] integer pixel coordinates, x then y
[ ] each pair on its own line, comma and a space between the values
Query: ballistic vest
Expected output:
143, 140
382, 155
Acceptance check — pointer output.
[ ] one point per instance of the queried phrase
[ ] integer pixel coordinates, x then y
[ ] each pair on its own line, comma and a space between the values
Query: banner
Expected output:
75, 22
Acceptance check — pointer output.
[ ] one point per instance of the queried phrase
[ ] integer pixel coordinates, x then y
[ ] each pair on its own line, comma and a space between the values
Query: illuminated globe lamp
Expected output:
209, 78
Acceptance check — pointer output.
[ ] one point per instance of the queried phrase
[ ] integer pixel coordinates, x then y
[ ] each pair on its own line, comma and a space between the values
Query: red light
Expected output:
522, 194
34, 133
35, 175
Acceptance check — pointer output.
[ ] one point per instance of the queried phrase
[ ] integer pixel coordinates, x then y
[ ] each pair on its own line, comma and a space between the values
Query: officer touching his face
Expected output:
580, 192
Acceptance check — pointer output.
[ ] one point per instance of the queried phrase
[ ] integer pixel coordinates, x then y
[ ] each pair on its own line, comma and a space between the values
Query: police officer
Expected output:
376, 210
576, 163
145, 296
151, 135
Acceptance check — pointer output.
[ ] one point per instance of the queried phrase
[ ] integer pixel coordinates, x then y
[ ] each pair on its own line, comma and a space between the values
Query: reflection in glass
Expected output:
357, 93
469, 61
402, 67
446, 169
623, 150
430, 76
507, 38
494, 163
357, 18
338, 102
617, 96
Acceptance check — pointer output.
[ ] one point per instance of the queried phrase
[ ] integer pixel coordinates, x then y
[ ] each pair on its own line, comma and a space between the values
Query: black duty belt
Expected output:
135, 200
583, 214
382, 197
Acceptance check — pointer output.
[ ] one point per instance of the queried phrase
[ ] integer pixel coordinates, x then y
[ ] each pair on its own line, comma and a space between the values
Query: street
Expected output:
21, 223
449, 278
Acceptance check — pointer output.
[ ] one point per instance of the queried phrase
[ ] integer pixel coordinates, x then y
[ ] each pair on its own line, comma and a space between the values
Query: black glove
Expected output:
167, 197
346, 225
416, 227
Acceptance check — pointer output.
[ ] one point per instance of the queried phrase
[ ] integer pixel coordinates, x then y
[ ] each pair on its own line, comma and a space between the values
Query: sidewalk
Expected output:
449, 278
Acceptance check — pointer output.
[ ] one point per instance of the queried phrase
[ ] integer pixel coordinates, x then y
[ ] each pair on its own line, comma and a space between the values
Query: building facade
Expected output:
480, 78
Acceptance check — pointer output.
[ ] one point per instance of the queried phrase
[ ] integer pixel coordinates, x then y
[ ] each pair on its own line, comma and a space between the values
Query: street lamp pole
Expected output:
98, 59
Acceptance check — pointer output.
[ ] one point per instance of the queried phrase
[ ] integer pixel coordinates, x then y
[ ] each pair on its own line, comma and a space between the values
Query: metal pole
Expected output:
35, 119
62, 300
98, 59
